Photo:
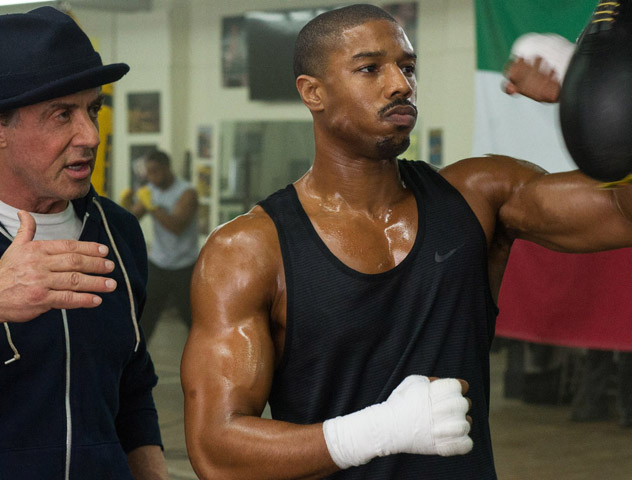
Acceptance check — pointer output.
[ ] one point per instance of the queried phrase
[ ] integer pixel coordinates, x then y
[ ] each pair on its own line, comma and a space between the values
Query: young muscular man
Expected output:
336, 298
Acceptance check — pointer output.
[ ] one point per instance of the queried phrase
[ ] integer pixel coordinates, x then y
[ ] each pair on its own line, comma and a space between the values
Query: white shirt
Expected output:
50, 226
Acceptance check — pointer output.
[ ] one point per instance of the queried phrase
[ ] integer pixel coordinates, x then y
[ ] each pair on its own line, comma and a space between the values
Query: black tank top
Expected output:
351, 337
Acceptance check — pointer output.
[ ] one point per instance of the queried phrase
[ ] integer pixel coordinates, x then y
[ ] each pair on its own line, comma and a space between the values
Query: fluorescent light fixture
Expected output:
5, 3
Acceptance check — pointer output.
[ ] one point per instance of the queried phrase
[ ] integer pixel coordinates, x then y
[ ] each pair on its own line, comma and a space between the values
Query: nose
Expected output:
86, 131
398, 83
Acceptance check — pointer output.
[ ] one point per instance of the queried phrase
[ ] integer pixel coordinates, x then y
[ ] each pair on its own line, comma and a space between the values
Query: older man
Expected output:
76, 383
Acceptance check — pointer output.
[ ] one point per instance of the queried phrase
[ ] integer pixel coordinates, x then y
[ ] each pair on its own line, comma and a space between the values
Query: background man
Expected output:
76, 386
172, 204
336, 298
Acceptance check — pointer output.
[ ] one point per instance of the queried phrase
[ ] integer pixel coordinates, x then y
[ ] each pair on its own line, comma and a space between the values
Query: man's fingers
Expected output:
26, 231
70, 300
510, 88
80, 263
73, 282
464, 386
92, 249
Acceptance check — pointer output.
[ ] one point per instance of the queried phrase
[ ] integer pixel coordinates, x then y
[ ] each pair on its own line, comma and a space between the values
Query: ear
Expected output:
311, 91
3, 136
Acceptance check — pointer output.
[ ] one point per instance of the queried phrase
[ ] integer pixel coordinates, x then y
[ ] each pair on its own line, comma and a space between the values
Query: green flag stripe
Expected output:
500, 22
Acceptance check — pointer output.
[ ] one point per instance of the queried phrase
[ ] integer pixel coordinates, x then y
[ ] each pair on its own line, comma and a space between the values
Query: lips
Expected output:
404, 115
79, 170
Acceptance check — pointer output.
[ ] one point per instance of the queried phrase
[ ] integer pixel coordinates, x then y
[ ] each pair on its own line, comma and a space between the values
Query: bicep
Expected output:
228, 360
567, 212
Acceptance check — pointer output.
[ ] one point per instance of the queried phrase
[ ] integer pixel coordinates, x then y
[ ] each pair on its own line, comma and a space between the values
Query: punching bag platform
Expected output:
596, 96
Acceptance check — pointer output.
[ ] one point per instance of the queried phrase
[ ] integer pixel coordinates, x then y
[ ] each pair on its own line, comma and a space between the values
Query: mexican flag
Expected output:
578, 300
517, 126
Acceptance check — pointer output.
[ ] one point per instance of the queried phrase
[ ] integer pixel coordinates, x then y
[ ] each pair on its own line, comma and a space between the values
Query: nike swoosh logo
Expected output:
443, 257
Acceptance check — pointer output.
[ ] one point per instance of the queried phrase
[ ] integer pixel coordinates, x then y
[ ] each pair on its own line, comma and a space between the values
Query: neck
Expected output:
360, 184
39, 205
168, 182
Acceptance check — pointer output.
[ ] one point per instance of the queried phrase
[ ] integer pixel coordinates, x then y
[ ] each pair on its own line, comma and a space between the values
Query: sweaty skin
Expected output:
357, 203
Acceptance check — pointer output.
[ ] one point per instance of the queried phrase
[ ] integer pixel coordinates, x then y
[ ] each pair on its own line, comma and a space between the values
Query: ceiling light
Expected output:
4, 3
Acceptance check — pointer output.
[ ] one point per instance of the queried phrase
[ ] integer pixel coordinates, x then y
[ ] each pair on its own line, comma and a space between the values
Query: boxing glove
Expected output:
126, 198
144, 196
554, 50
596, 95
420, 416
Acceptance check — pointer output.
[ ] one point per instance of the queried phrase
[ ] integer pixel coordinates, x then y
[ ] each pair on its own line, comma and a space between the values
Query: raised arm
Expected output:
229, 359
570, 212
567, 211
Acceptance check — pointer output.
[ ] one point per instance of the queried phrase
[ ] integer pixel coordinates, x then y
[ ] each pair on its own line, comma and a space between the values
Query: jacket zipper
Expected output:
67, 397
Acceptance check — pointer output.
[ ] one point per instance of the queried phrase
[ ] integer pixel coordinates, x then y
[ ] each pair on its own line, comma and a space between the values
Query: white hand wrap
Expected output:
555, 51
420, 416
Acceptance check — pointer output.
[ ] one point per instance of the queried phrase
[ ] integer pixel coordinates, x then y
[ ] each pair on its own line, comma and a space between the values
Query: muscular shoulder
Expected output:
253, 231
493, 177
490, 172
487, 183
244, 251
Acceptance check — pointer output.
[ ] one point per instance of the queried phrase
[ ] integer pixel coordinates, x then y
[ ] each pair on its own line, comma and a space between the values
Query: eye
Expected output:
409, 70
368, 68
93, 110
63, 115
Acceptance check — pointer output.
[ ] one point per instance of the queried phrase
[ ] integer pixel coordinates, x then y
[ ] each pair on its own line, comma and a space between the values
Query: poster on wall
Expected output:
204, 140
143, 112
203, 180
137, 153
204, 219
406, 16
234, 52
435, 146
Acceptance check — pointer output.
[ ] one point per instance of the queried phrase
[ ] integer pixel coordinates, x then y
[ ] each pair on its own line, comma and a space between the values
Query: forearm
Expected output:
250, 448
175, 224
147, 463
138, 210
421, 416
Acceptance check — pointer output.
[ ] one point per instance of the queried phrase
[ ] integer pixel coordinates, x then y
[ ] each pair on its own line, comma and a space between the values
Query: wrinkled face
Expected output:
47, 156
370, 90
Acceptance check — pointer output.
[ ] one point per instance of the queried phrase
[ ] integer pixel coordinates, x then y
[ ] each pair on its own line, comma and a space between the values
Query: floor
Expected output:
530, 441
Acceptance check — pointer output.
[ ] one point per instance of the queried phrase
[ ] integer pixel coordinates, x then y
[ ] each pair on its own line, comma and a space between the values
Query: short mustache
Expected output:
395, 103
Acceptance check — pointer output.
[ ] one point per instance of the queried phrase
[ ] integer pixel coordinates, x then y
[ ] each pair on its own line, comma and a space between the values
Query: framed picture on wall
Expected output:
143, 112
204, 140
435, 146
234, 52
203, 180
204, 219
